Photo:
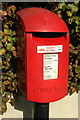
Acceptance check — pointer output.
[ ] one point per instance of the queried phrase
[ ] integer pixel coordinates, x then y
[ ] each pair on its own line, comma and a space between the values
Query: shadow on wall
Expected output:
22, 104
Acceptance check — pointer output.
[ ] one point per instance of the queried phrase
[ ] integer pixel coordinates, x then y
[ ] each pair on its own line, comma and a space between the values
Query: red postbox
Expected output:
43, 55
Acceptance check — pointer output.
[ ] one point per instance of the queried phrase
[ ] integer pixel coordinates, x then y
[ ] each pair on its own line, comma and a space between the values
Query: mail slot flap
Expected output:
41, 20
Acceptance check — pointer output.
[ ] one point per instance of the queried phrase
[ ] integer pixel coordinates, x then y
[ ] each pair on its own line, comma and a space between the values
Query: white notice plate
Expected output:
50, 64
49, 49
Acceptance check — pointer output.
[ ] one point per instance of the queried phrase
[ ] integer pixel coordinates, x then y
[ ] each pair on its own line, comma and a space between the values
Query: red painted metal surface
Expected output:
41, 20
36, 88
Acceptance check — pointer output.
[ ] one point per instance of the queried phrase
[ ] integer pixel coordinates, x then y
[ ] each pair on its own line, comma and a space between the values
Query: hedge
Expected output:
9, 82
69, 12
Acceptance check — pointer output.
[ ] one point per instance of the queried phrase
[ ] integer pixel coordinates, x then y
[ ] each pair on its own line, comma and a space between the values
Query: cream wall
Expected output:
65, 108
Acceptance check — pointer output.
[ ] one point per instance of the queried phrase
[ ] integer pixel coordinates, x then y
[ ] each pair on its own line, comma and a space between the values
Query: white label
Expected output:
49, 49
50, 70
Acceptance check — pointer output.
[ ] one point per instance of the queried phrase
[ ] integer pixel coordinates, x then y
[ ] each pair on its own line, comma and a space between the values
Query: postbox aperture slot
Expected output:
48, 34
48, 37
50, 66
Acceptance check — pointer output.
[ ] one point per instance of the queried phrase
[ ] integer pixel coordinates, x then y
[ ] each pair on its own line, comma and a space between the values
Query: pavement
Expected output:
68, 107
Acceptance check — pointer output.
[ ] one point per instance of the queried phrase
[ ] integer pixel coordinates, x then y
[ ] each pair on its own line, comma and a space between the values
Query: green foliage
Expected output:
9, 83
69, 12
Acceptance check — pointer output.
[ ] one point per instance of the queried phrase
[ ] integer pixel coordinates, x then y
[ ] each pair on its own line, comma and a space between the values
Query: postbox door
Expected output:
40, 88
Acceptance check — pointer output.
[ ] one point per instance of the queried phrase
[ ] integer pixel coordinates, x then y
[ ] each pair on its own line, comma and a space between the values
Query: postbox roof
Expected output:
41, 20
